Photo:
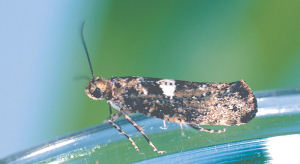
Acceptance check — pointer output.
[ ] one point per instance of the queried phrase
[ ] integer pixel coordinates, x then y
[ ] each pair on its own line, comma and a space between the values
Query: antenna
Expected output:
86, 51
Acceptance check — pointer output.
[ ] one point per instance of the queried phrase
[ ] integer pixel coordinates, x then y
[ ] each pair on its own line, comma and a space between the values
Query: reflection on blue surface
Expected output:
274, 149
245, 151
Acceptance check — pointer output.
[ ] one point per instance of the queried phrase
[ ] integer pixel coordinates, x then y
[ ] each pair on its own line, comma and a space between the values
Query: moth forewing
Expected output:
183, 101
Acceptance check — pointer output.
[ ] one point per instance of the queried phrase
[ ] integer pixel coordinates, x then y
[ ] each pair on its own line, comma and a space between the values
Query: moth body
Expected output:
178, 101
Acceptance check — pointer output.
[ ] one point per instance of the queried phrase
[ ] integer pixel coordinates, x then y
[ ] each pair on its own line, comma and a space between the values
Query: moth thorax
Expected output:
97, 88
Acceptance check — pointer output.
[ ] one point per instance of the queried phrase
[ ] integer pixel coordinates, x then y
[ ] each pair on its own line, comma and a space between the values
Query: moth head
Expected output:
96, 88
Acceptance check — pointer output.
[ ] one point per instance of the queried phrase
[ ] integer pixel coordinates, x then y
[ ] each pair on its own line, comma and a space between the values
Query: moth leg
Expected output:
181, 129
197, 127
125, 134
165, 126
115, 116
140, 129
111, 121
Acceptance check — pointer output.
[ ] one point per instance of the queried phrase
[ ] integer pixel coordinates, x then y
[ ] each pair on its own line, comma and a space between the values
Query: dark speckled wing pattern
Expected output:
186, 102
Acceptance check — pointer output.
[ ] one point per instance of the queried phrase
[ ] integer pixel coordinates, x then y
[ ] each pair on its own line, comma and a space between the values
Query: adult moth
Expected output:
183, 102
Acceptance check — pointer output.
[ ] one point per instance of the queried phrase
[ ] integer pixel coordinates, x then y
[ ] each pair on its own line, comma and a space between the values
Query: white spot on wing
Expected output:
168, 87
145, 91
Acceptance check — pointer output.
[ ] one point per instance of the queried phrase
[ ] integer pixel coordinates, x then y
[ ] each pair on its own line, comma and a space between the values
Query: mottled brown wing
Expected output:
186, 102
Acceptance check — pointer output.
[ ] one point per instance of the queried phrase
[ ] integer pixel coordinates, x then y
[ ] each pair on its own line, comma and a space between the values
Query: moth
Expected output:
183, 102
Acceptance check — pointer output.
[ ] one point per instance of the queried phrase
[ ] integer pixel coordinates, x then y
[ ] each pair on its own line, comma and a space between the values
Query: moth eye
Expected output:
96, 93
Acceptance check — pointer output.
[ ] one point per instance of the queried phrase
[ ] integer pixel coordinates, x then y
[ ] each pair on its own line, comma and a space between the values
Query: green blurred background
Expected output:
42, 58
